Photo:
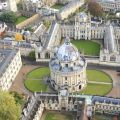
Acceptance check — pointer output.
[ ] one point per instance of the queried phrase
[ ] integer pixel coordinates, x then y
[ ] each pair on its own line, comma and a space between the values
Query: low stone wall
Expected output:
28, 21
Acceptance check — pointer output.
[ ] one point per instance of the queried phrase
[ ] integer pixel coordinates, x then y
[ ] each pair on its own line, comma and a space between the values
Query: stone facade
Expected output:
106, 105
109, 5
10, 64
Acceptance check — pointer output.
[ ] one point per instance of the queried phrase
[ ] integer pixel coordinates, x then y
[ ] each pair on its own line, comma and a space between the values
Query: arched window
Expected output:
79, 86
47, 55
38, 55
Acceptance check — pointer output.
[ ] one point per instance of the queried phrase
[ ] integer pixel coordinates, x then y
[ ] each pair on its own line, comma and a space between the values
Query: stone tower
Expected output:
12, 5
63, 99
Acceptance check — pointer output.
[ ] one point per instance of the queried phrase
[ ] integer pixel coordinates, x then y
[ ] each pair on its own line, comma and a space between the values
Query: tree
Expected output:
9, 109
8, 17
31, 56
95, 9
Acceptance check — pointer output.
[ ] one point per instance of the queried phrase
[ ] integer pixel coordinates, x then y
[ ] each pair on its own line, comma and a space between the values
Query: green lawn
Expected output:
58, 116
98, 76
97, 89
20, 19
36, 85
57, 6
34, 81
103, 117
89, 47
38, 73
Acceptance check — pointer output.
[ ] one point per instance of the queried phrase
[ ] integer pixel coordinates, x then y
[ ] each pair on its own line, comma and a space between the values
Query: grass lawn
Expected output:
36, 85
58, 116
57, 6
103, 117
38, 73
98, 76
34, 81
89, 47
97, 89
20, 19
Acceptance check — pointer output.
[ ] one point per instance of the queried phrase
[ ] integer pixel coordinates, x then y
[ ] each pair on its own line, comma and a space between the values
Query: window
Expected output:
66, 65
38, 55
79, 86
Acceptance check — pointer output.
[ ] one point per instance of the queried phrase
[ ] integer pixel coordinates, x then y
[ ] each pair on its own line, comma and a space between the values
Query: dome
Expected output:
83, 16
67, 52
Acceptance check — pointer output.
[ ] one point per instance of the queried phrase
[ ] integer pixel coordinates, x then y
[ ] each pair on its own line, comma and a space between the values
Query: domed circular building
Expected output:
68, 68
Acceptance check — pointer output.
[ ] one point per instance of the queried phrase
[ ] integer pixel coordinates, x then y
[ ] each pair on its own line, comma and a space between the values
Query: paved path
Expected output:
115, 92
18, 84
105, 83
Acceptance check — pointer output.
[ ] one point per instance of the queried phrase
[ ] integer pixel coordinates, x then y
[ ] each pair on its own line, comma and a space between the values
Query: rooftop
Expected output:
6, 55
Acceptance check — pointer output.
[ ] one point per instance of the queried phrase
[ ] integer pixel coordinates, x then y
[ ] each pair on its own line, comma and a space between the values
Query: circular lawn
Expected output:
99, 83
35, 80
88, 47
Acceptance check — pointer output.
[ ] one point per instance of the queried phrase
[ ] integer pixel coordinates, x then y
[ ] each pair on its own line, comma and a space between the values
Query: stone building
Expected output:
68, 68
81, 105
62, 101
8, 5
35, 5
106, 105
69, 8
83, 28
10, 64
109, 5
110, 51
49, 41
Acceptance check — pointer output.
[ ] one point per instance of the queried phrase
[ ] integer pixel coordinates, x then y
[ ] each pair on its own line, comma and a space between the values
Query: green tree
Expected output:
31, 56
9, 109
19, 98
8, 17
95, 9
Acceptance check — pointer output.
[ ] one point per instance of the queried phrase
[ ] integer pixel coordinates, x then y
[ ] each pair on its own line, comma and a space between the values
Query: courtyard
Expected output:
53, 115
89, 48
99, 83
104, 117
57, 6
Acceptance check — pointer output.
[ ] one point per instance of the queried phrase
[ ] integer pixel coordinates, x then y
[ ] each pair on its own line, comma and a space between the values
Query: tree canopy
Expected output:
95, 9
9, 109
31, 56
8, 17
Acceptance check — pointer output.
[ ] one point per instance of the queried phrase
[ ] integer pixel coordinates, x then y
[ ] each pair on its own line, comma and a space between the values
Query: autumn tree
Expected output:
95, 9
9, 109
